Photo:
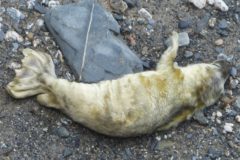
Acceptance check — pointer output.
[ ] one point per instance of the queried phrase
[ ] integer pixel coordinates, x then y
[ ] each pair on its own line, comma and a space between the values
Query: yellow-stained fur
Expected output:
132, 105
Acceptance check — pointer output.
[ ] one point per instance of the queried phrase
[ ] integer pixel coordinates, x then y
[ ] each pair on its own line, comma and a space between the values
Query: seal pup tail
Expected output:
30, 79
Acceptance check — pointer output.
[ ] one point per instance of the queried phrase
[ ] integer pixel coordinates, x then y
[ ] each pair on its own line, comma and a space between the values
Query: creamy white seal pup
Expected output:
132, 105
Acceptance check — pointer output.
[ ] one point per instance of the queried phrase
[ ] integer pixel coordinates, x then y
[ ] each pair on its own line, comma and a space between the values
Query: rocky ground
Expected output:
30, 131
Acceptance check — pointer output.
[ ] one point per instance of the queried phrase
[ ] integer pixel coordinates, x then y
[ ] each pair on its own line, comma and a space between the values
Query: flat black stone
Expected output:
107, 57
184, 24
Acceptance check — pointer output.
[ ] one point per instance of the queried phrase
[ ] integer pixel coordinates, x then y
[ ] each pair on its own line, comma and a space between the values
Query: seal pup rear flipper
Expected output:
30, 79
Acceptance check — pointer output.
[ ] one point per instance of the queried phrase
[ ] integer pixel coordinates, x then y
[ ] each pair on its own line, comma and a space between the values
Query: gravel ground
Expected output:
31, 131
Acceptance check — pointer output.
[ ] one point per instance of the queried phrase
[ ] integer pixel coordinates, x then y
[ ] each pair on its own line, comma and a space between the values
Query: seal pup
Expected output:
132, 105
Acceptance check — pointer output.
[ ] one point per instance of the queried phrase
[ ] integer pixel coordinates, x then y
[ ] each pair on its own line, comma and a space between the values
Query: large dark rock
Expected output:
107, 57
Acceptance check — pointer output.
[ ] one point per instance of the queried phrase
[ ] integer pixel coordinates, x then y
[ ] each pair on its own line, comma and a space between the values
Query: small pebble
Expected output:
140, 21
194, 158
119, 17
223, 24
214, 114
221, 56
165, 136
228, 106
220, 4
200, 118
238, 118
12, 35
237, 49
227, 100
30, 35
219, 114
2, 10
15, 47
67, 152
2, 35
199, 3
188, 54
15, 14
36, 42
233, 83
39, 8
62, 132
233, 72
227, 153
66, 121
131, 39
118, 5
29, 26
40, 23
45, 2
223, 33
151, 22
45, 129
215, 132
5, 149
219, 42
218, 121
14, 65
228, 92
131, 3
228, 127
27, 43
189, 136
30, 4
158, 138
214, 153
230, 112
212, 22
236, 18
220, 50
183, 24
145, 50
145, 14
198, 56
128, 152
183, 39
53, 3
213, 117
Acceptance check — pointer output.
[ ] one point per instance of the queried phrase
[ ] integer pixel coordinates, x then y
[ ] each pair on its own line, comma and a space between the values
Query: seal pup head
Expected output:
203, 83
209, 81
224, 67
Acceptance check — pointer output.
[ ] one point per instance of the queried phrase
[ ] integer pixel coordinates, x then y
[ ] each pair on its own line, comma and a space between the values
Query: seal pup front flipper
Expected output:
168, 57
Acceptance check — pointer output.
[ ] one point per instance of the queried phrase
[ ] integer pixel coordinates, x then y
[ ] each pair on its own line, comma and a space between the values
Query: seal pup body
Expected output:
132, 105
